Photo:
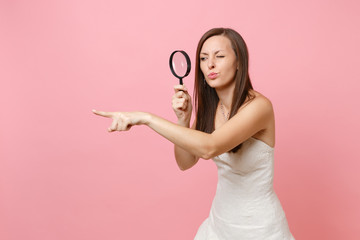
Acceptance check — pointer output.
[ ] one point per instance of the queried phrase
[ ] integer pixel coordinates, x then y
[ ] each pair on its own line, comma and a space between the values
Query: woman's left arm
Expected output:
191, 140
249, 120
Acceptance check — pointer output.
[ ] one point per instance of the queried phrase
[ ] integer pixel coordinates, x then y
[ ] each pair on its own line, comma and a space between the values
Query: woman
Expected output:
234, 126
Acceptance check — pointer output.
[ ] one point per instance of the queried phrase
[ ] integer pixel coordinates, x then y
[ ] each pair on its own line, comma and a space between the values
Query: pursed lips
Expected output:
212, 75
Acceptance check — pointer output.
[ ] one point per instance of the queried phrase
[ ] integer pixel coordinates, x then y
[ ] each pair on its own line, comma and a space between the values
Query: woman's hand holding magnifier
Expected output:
123, 121
181, 104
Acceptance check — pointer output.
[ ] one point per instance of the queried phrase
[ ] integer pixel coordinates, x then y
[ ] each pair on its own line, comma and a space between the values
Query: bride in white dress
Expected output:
235, 126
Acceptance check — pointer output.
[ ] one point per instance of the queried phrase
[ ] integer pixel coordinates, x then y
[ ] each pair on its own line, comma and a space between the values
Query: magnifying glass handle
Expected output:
181, 81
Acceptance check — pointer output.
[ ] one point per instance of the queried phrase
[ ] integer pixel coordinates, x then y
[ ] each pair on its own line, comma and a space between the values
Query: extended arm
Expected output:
248, 121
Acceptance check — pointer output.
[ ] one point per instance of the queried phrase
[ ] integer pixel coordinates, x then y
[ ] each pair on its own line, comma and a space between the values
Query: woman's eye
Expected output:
220, 56
203, 58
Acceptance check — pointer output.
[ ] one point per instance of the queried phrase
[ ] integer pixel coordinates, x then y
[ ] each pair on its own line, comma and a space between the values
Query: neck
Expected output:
226, 96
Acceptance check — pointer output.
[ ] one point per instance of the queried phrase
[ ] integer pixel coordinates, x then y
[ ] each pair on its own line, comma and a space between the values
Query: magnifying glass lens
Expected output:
179, 64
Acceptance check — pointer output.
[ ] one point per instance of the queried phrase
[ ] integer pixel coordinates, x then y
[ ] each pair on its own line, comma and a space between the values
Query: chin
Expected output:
217, 85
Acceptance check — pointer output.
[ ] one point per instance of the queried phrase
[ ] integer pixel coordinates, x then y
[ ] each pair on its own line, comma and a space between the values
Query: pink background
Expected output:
63, 176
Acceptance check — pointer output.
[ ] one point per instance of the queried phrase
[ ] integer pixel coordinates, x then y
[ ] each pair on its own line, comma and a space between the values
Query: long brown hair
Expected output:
206, 98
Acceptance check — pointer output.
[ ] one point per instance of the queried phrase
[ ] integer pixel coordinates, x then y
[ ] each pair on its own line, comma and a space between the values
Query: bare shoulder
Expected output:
257, 100
260, 103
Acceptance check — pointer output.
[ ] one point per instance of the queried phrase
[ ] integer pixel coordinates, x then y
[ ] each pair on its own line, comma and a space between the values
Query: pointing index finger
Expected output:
103, 114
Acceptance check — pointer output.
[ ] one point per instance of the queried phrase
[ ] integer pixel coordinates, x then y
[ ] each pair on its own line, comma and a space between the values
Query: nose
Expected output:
211, 63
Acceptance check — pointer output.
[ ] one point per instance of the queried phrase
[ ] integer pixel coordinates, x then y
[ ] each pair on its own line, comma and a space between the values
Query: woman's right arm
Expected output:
184, 159
181, 104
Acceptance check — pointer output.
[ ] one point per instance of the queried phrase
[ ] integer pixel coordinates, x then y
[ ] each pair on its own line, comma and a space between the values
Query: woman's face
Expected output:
218, 62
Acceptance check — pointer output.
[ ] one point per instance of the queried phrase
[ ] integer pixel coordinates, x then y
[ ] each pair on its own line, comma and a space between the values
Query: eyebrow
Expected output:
215, 52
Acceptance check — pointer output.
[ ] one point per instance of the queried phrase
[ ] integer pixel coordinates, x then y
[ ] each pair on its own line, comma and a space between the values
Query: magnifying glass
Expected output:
180, 64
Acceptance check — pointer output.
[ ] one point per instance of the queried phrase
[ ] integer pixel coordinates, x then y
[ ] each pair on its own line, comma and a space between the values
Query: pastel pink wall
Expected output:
63, 176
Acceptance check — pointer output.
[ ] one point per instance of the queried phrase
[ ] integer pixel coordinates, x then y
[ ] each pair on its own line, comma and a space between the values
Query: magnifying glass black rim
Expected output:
188, 62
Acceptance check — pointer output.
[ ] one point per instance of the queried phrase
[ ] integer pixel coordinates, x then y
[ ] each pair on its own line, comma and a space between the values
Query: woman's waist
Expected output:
244, 189
245, 197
